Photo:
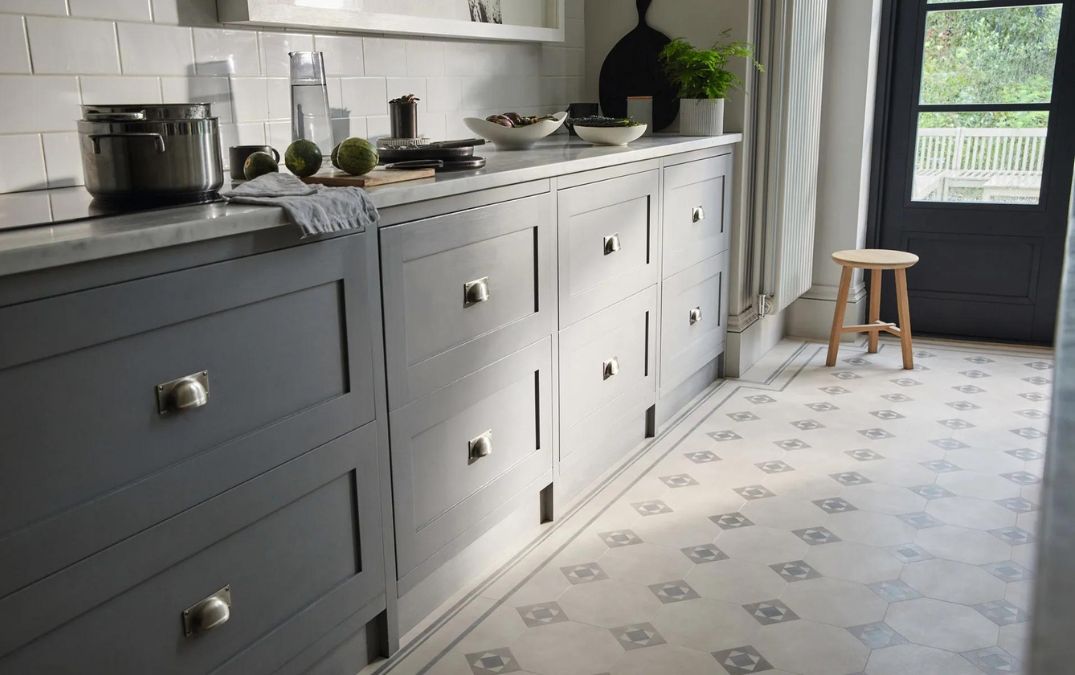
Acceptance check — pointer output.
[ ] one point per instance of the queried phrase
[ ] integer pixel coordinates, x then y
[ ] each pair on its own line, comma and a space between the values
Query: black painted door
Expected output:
976, 155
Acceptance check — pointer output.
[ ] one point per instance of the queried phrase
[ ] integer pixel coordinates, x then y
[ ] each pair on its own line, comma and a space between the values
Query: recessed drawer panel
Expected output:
295, 551
607, 243
278, 345
693, 326
465, 451
604, 358
463, 290
697, 212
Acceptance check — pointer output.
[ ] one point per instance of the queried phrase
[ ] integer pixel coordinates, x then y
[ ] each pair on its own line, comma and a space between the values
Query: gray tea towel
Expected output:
316, 209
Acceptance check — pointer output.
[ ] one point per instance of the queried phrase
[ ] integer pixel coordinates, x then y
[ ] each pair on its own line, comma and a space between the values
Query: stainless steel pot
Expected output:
151, 152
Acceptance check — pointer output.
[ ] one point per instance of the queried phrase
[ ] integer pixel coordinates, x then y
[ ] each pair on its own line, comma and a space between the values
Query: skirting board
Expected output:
745, 347
811, 318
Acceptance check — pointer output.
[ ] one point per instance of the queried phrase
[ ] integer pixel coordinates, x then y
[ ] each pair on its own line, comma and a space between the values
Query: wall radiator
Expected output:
794, 55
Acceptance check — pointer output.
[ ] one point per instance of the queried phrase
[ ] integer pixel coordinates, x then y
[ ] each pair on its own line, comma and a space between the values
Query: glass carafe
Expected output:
309, 100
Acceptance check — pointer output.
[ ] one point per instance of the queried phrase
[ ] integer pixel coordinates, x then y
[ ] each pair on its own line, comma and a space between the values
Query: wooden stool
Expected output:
876, 260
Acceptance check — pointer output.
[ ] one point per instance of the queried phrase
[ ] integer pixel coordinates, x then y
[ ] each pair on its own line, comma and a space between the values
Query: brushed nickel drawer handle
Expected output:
475, 291
208, 613
610, 368
481, 446
185, 393
612, 243
697, 214
696, 315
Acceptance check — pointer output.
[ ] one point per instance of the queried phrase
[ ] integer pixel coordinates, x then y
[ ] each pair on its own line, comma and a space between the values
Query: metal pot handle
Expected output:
96, 139
116, 116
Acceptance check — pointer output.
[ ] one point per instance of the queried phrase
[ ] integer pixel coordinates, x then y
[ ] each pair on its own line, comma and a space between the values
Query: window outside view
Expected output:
987, 78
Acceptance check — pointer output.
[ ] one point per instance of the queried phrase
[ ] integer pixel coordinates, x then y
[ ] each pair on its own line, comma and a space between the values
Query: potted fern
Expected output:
703, 80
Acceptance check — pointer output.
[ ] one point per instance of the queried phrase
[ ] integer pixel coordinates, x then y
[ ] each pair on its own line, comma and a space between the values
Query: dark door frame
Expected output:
887, 61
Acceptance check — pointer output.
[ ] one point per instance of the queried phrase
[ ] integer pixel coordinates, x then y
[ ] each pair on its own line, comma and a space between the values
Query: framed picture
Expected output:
516, 20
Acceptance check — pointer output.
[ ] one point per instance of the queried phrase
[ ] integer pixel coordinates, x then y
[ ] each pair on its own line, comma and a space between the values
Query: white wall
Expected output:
844, 166
56, 54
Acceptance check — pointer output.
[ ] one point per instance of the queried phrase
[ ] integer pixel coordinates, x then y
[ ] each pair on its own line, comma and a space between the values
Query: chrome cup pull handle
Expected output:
697, 214
480, 446
208, 613
610, 368
185, 393
612, 243
476, 291
695, 315
157, 139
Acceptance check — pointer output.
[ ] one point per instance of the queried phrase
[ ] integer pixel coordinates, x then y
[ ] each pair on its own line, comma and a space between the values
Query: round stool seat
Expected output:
875, 258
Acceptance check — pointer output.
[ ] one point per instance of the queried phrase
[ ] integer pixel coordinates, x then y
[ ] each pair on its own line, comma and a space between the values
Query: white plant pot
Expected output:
701, 116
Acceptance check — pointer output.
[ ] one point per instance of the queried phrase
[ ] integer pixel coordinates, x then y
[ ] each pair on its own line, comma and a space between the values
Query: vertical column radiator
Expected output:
788, 155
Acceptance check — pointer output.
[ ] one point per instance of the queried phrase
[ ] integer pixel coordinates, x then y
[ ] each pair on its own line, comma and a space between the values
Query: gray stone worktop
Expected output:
26, 247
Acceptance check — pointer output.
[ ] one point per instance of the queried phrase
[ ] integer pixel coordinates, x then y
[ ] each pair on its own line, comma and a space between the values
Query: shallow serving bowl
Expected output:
514, 138
610, 135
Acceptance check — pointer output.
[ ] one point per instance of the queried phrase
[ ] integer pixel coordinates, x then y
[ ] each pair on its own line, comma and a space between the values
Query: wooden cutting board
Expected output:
379, 176
632, 68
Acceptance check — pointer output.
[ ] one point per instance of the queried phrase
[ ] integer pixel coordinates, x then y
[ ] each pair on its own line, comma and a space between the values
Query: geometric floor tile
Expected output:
702, 457
877, 635
1009, 571
792, 444
1022, 478
770, 612
1018, 504
493, 661
652, 507
1001, 612
850, 478
776, 466
754, 492
969, 389
897, 398
920, 520
731, 521
721, 436
796, 570
542, 614
963, 405
673, 591
931, 491
835, 390
875, 434
1014, 535
824, 406
704, 553
993, 661
955, 423
906, 382
864, 455
584, 574
761, 398
947, 444
1032, 414
619, 538
637, 636
816, 536
807, 425
1025, 454
887, 415
941, 465
743, 416
1035, 396
1029, 432
909, 553
834, 505
741, 661
678, 481
894, 591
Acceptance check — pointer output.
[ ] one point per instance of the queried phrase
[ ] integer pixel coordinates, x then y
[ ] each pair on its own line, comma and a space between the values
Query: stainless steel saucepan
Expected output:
167, 152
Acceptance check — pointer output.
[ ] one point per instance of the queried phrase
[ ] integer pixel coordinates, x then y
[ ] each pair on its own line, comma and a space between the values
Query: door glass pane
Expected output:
993, 157
1000, 55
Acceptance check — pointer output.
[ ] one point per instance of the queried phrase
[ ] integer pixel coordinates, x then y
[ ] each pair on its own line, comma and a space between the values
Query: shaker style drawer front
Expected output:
607, 243
126, 404
463, 290
465, 451
697, 212
693, 325
238, 584
602, 359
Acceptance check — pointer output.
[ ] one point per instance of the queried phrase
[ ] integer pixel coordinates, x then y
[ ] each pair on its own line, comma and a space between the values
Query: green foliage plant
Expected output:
703, 73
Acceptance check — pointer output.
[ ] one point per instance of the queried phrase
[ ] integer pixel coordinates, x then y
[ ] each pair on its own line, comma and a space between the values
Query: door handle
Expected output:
610, 368
697, 214
480, 446
476, 291
695, 315
208, 613
185, 393
612, 243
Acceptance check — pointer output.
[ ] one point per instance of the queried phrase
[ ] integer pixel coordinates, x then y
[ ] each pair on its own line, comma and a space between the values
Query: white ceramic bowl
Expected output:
514, 138
610, 135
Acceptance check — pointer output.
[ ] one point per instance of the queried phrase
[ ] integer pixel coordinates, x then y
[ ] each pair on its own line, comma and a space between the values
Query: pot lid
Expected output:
148, 111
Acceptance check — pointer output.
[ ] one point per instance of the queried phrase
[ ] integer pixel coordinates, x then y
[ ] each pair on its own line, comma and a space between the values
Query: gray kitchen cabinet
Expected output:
697, 212
465, 455
607, 241
607, 384
89, 459
693, 322
464, 289
298, 550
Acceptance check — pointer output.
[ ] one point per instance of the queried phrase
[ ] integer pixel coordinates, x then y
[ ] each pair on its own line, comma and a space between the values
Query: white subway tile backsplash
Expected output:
57, 7
343, 54
61, 45
442, 94
275, 48
278, 135
364, 96
148, 49
63, 159
185, 12
103, 89
25, 168
431, 125
425, 58
553, 60
401, 86
348, 127
123, 10
36, 103
226, 52
14, 54
249, 99
278, 90
385, 56
378, 126
213, 90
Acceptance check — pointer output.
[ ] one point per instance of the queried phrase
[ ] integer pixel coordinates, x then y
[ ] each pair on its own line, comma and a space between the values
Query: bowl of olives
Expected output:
512, 131
608, 130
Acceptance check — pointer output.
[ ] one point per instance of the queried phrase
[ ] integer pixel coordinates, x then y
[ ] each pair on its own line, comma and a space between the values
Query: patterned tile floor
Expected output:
804, 520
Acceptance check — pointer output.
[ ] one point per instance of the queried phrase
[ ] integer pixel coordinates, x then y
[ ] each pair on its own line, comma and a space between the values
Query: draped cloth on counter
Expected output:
316, 209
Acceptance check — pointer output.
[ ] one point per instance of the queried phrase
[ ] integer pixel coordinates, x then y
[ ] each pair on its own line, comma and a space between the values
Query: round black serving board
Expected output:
632, 68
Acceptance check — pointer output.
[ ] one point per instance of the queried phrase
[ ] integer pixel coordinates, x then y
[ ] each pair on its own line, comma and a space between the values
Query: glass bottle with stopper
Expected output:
309, 100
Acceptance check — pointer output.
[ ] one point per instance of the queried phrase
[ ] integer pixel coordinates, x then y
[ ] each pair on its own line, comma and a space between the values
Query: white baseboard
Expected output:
745, 347
811, 317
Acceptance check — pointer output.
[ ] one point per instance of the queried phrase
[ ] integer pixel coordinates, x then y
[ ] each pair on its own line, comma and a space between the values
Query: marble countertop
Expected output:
27, 248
